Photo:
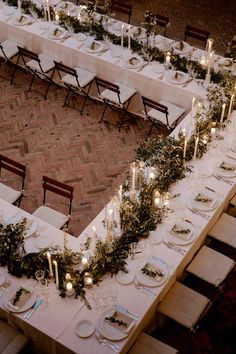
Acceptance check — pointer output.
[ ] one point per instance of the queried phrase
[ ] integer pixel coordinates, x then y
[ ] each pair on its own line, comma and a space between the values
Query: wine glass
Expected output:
39, 275
45, 289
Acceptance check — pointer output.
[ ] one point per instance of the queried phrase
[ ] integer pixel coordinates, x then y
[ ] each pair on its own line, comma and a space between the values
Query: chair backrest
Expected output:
162, 21
196, 33
26, 54
108, 86
122, 7
147, 103
59, 188
14, 167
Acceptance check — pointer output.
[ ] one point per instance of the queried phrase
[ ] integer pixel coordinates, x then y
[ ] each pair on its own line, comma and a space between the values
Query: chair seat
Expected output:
10, 49
11, 340
175, 112
46, 62
224, 230
211, 266
84, 78
9, 194
126, 93
51, 216
146, 344
183, 305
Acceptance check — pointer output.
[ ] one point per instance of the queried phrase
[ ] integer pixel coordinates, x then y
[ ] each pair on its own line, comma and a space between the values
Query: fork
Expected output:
106, 343
223, 179
175, 248
140, 286
199, 213
187, 82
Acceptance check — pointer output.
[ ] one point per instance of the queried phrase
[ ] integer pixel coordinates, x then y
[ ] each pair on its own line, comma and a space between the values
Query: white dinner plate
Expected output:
20, 20
204, 206
180, 239
133, 63
147, 280
225, 63
65, 6
8, 295
227, 173
125, 278
57, 33
94, 47
31, 225
186, 48
176, 77
42, 242
84, 328
108, 330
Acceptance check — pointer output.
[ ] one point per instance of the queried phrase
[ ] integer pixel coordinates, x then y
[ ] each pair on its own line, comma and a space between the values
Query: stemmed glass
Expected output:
39, 275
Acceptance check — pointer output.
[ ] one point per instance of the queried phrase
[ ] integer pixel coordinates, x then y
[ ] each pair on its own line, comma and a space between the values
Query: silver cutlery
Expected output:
187, 82
223, 179
106, 343
158, 259
65, 38
36, 305
140, 286
124, 310
210, 189
175, 248
142, 67
199, 213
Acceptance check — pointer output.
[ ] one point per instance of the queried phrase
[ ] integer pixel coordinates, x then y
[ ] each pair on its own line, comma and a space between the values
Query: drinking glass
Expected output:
45, 289
39, 275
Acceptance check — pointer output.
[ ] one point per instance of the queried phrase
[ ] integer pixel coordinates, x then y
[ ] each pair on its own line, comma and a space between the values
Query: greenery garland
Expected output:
139, 216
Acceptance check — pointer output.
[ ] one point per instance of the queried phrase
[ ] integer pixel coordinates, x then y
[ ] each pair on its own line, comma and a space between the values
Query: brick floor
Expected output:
75, 149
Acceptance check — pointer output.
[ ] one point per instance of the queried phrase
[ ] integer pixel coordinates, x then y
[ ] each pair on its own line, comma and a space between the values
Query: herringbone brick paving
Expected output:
75, 149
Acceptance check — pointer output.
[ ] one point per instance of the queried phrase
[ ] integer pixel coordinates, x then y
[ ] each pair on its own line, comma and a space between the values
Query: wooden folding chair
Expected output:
122, 8
8, 50
39, 65
115, 95
49, 214
7, 193
196, 33
163, 113
162, 21
76, 80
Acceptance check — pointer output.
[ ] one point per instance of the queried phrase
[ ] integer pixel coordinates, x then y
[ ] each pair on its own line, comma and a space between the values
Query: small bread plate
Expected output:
114, 324
19, 298
84, 328
125, 278
180, 233
150, 273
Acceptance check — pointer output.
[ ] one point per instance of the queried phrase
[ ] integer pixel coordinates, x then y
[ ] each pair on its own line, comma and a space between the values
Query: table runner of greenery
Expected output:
137, 217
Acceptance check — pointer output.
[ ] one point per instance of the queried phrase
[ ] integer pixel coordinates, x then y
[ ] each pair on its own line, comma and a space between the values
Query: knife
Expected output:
124, 310
37, 303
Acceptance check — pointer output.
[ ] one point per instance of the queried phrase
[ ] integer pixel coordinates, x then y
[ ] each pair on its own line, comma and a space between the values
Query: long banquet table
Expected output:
52, 327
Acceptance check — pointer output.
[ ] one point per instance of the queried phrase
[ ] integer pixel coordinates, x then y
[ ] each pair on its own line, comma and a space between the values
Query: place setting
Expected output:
133, 62
176, 77
182, 48
180, 232
58, 33
95, 47
19, 298
22, 20
203, 200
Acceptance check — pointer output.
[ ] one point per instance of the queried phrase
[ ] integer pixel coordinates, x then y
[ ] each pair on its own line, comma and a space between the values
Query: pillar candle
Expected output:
195, 147
167, 60
48, 10
122, 36
231, 105
213, 132
56, 274
222, 114
185, 147
120, 194
193, 102
49, 264
129, 38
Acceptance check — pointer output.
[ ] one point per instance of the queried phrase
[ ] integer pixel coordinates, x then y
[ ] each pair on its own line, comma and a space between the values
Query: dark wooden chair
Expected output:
49, 214
115, 94
162, 21
122, 8
11, 195
196, 33
162, 114
76, 80
38, 65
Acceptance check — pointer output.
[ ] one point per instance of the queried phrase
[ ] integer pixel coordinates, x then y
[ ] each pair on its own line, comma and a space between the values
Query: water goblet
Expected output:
39, 275
45, 289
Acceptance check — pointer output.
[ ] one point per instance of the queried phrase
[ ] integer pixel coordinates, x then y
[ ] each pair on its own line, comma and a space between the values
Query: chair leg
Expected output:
48, 87
150, 130
31, 83
103, 114
67, 96
14, 71
86, 97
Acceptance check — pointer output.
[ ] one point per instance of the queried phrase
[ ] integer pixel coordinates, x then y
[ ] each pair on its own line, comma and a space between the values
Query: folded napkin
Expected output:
119, 320
203, 198
227, 166
19, 298
180, 231
152, 271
